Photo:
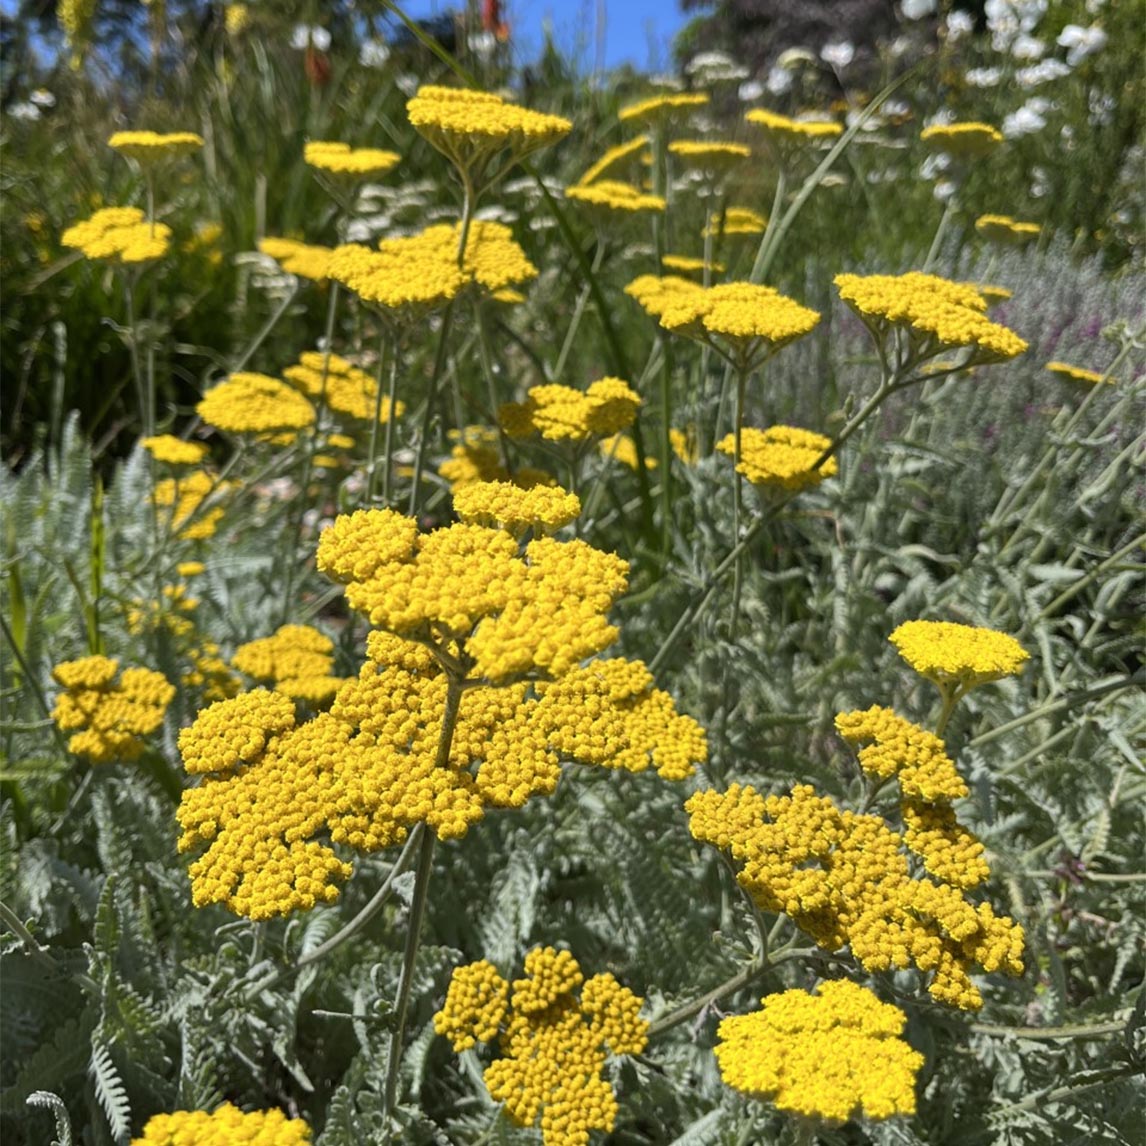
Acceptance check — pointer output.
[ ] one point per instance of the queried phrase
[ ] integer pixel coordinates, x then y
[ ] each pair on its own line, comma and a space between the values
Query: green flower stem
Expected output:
951, 697
392, 396
737, 498
38, 953
940, 233
133, 347
1096, 1080
763, 258
485, 358
431, 401
579, 309
666, 447
1078, 1031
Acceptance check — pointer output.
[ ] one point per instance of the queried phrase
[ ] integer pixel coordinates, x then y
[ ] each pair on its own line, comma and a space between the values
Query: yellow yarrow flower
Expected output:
226, 1126
614, 157
343, 160
153, 146
1078, 373
247, 403
783, 133
236, 18
1005, 229
657, 293
174, 451
963, 140
475, 458
120, 234
658, 108
958, 656
109, 718
783, 457
560, 413
687, 264
190, 568
714, 157
184, 496
301, 259
296, 660
832, 1056
554, 1045
543, 509
345, 388
737, 221
609, 195
621, 448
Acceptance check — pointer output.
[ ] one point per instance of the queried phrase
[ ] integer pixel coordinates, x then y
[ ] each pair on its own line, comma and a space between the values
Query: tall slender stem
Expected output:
372, 461
738, 572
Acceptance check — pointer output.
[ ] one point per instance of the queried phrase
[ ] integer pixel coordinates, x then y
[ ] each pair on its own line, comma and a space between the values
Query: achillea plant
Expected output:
225, 1126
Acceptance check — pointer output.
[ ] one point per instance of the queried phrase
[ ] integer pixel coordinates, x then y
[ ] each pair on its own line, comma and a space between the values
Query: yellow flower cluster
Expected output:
713, 156
183, 496
1005, 229
297, 661
148, 146
781, 131
688, 265
621, 448
945, 313
544, 509
658, 293
614, 157
302, 259
421, 272
226, 1126
554, 1045
845, 879
255, 404
471, 127
364, 773
783, 457
174, 451
560, 413
963, 140
341, 159
119, 233
475, 458
610, 195
109, 717
832, 1056
348, 390
962, 656
657, 108
1078, 373
738, 221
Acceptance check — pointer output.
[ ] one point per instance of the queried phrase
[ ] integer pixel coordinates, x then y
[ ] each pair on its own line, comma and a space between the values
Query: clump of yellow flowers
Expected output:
343, 160
969, 140
345, 388
656, 109
554, 1045
1078, 373
610, 195
1006, 229
832, 1056
121, 234
248, 403
783, 133
108, 717
560, 413
614, 157
302, 259
225, 1126
474, 457
781, 457
958, 658
296, 660
173, 451
184, 496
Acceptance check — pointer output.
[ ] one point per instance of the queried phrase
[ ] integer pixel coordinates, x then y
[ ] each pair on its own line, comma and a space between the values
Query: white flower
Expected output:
959, 24
305, 35
1007, 18
1027, 47
1081, 42
944, 191
712, 67
934, 164
792, 57
750, 90
1093, 6
407, 83
1101, 108
917, 9
374, 53
1041, 182
41, 97
901, 46
1025, 121
838, 54
779, 80
984, 77
1041, 73
24, 110
895, 107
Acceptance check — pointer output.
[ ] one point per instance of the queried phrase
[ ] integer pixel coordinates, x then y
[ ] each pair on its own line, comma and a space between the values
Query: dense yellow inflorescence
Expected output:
657, 108
297, 661
782, 131
560, 413
1078, 373
174, 451
614, 157
543, 509
969, 140
782, 457
184, 496
687, 264
302, 259
611, 195
621, 448
832, 1056
737, 221
345, 388
247, 403
419, 273
475, 457
946, 314
149, 146
343, 160
961, 656
121, 234
109, 718
1005, 229
845, 879
226, 1126
711, 155
658, 293
553, 1044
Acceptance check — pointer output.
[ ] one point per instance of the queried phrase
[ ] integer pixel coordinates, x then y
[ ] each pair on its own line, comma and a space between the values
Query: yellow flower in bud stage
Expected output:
658, 108
963, 140
554, 1045
153, 146
846, 880
609, 196
120, 234
560, 413
634, 149
782, 457
940, 314
737, 221
958, 657
352, 162
345, 388
831, 1056
247, 403
302, 259
1004, 229
226, 1126
109, 718
174, 451
1078, 373
297, 661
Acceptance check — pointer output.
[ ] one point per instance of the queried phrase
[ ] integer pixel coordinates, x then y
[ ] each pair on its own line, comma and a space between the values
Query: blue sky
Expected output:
636, 31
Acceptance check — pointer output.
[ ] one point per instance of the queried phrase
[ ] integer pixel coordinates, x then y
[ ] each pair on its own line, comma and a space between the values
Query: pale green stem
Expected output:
485, 358
372, 460
951, 697
431, 400
1078, 586
940, 234
392, 396
579, 309
763, 255
738, 569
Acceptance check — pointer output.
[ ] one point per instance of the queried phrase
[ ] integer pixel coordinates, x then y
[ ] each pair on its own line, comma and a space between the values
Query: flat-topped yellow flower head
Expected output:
960, 656
962, 140
688, 265
715, 158
504, 505
247, 403
1078, 373
296, 660
657, 293
560, 413
941, 314
1005, 229
344, 387
781, 457
119, 234
348, 162
225, 1126
785, 134
832, 1056
609, 196
184, 496
475, 457
737, 221
658, 108
173, 451
302, 259
633, 150
155, 146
